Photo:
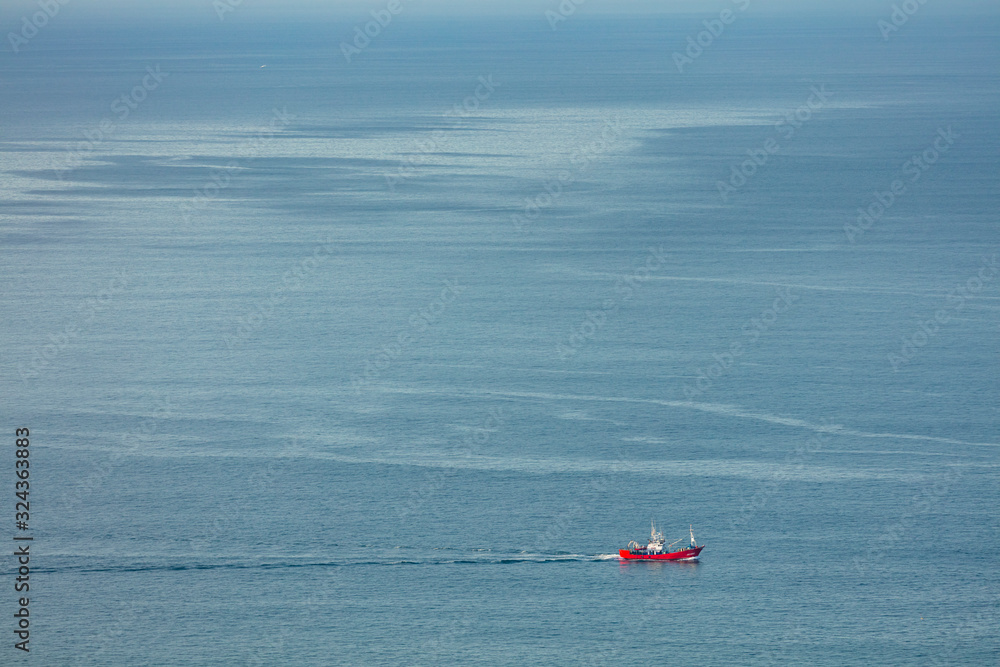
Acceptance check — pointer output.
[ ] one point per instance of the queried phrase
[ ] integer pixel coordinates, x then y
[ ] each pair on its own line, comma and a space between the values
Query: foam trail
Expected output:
278, 564
799, 286
714, 408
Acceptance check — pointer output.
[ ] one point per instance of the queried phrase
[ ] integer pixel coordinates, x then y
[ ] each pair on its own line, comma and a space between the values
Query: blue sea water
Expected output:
320, 370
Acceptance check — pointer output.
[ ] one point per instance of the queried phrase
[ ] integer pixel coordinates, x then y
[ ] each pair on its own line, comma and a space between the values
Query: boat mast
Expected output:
693, 543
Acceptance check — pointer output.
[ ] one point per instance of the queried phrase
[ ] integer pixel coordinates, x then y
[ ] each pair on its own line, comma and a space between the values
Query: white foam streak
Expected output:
713, 408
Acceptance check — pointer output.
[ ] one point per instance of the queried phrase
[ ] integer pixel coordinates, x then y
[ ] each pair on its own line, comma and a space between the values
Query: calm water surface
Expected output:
322, 371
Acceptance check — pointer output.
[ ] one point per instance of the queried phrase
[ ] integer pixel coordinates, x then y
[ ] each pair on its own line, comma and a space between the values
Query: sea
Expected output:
354, 345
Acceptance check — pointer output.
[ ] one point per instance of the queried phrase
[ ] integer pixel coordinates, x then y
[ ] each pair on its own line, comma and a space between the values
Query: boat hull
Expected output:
686, 554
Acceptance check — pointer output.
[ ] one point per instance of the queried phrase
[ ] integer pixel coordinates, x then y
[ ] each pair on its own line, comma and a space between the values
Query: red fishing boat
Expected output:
658, 549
